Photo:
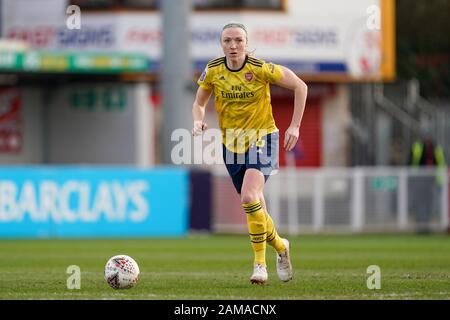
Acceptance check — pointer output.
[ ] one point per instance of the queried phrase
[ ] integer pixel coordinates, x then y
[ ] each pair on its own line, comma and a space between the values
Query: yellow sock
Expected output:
272, 236
256, 223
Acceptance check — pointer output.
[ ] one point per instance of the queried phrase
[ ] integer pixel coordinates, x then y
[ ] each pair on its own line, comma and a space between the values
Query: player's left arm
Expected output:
289, 80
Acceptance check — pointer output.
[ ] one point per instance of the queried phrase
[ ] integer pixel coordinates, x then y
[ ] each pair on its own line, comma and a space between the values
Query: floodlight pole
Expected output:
1, 18
176, 72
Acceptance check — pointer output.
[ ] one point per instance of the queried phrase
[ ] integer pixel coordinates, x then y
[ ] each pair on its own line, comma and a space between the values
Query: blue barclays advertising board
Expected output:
79, 202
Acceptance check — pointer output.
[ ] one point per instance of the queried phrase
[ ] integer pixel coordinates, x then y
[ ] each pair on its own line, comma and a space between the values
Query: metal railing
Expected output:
352, 200
393, 116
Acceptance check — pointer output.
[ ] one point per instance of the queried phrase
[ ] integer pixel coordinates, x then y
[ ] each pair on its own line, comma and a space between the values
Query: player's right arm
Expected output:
198, 110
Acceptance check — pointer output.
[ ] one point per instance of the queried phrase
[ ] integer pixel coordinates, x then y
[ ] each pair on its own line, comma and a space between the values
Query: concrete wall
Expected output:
106, 123
87, 126
101, 123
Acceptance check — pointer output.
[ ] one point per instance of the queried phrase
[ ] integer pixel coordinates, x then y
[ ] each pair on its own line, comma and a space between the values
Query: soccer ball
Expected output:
121, 272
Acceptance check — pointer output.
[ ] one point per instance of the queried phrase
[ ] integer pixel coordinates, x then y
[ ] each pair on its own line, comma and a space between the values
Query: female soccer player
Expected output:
241, 86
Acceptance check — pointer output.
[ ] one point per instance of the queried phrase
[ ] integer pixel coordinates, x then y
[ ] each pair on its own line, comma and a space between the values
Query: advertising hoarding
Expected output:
344, 38
83, 202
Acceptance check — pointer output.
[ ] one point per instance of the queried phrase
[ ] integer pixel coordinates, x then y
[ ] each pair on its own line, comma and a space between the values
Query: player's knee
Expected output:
249, 196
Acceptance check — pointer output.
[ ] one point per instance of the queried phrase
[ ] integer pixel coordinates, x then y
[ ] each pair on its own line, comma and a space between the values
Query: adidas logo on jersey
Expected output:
222, 78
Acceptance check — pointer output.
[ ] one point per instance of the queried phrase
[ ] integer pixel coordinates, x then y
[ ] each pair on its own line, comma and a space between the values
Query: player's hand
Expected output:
290, 137
199, 127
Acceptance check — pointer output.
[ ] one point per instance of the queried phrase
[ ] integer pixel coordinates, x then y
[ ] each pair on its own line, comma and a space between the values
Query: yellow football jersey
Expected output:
242, 100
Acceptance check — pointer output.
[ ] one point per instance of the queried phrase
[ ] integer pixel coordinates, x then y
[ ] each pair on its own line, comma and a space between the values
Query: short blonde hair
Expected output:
234, 24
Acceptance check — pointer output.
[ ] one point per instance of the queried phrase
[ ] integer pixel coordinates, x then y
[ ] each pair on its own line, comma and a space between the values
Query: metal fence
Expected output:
387, 118
352, 200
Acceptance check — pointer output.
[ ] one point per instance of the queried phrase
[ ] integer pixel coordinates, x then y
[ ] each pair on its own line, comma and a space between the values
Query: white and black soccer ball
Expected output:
121, 272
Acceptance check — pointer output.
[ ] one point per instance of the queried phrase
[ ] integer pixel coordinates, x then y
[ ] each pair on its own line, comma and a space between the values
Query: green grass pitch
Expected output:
219, 267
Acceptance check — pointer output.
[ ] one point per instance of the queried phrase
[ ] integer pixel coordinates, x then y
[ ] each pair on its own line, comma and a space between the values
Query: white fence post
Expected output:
293, 220
318, 202
357, 214
402, 198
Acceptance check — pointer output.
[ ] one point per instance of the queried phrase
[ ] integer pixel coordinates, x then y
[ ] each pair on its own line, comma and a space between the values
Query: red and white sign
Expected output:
11, 126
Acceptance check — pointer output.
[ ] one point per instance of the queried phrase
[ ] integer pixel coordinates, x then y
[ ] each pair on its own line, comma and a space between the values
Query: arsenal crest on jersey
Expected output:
249, 76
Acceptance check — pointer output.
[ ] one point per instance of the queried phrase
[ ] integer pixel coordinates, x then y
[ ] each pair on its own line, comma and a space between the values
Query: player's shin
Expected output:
273, 238
257, 228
